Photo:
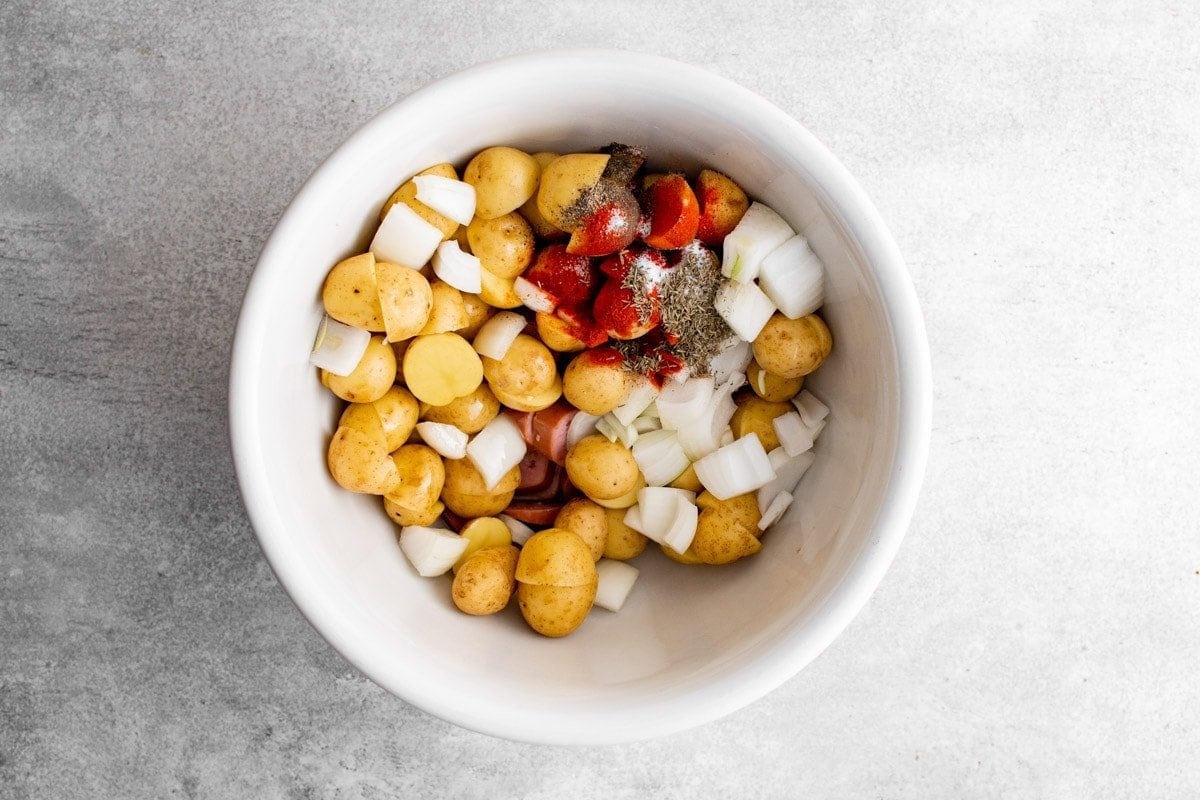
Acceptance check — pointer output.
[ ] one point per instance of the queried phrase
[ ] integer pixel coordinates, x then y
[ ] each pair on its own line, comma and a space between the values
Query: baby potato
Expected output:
688, 480
391, 417
565, 181
404, 516
531, 402
370, 380
588, 520
624, 501
478, 312
726, 529
770, 387
601, 469
462, 477
503, 245
422, 476
529, 209
449, 310
351, 295
687, 557
556, 334
621, 542
475, 505
469, 413
407, 194
498, 292
527, 369
485, 582
360, 463
441, 367
595, 383
503, 177
754, 415
556, 557
793, 348
555, 611
406, 299
483, 532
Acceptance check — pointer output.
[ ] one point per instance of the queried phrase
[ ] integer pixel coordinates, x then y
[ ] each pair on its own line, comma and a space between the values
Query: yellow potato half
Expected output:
441, 367
351, 295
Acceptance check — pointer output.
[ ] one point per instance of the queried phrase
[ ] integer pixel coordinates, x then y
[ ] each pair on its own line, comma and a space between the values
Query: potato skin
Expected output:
469, 413
556, 557
504, 244
476, 505
727, 530
529, 209
370, 380
556, 335
527, 369
503, 177
486, 581
421, 477
391, 417
407, 194
478, 312
406, 300
771, 387
594, 384
461, 476
564, 181
602, 469
755, 415
793, 348
587, 519
351, 295
447, 311
404, 516
555, 611
622, 542
361, 463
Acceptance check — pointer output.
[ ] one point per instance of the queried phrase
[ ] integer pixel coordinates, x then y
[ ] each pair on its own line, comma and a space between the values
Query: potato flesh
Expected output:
441, 367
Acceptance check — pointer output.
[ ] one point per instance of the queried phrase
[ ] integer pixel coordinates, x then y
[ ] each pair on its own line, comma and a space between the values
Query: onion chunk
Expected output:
735, 468
496, 449
338, 347
405, 238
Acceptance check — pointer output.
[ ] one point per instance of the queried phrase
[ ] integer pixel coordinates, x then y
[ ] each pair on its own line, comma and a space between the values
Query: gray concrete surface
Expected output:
1038, 636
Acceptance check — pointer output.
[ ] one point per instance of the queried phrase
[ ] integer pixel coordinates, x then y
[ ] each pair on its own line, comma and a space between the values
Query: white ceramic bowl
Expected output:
691, 644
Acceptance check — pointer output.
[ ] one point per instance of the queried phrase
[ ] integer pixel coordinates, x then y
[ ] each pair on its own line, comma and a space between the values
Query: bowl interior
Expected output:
691, 643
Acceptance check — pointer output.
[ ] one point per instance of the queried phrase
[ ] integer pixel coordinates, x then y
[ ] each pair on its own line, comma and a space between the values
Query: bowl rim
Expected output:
791, 652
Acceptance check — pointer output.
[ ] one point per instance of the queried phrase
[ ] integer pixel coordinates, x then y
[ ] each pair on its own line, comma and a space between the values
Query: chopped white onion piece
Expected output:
446, 196
792, 276
496, 449
788, 472
702, 436
614, 431
759, 232
683, 527
615, 579
519, 530
729, 365
633, 518
659, 510
660, 456
497, 334
681, 404
461, 270
794, 436
644, 424
404, 238
338, 347
735, 468
744, 308
581, 425
432, 551
448, 440
636, 401
534, 296
811, 409
774, 510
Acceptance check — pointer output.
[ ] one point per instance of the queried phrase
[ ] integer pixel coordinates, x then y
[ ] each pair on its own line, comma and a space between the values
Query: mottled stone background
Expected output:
1039, 634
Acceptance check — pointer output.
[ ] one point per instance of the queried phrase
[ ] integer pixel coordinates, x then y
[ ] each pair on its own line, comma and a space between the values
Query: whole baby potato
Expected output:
503, 177
361, 463
624, 501
793, 348
771, 387
351, 295
370, 380
405, 516
529, 209
556, 557
588, 520
478, 312
555, 611
462, 477
595, 383
602, 469
476, 505
755, 415
504, 245
422, 476
621, 541
531, 402
407, 194
565, 181
486, 581
469, 413
527, 369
